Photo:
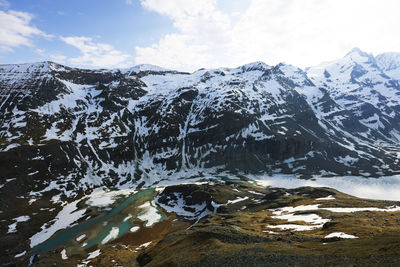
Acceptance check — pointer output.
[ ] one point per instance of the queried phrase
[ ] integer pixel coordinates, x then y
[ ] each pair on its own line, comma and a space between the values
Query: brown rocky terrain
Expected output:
238, 222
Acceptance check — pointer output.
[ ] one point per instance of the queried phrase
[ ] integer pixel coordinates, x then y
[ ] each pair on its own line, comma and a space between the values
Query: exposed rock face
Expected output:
67, 130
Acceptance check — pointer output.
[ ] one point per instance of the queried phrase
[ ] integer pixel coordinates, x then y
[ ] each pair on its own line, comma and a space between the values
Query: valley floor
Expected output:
214, 222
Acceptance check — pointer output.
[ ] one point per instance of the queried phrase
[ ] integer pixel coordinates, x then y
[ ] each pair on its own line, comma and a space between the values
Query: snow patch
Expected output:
20, 254
239, 199
12, 228
330, 197
103, 198
340, 235
113, 234
65, 218
80, 238
64, 254
190, 212
149, 214
134, 229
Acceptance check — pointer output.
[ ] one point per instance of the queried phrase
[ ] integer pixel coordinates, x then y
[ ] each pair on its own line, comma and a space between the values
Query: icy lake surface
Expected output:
384, 188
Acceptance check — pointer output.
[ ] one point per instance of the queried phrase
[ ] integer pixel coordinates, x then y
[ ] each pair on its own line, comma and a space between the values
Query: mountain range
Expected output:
72, 129
66, 131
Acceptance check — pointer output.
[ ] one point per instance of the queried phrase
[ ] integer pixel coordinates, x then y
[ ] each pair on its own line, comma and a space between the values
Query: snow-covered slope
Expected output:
390, 64
368, 88
64, 130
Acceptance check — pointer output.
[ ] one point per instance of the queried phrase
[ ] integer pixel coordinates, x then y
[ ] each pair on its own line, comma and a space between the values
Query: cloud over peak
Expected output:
303, 32
95, 54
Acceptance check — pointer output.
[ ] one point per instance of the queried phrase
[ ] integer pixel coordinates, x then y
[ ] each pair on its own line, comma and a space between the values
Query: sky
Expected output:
191, 34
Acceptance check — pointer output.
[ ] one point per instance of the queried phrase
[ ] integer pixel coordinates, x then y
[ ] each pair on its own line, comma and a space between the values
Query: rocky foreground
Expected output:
223, 222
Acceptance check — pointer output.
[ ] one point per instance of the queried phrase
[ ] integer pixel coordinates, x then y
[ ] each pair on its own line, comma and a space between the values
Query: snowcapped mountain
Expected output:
361, 84
64, 130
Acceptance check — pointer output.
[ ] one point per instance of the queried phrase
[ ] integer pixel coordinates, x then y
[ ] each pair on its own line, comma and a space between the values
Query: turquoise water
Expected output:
65, 236
123, 226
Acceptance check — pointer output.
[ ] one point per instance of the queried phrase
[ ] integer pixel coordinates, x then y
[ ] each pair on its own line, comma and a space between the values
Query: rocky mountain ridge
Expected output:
67, 130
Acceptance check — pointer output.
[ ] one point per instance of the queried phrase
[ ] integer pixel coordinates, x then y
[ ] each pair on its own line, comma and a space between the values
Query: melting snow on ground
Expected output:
111, 236
20, 254
64, 254
92, 255
330, 197
340, 235
134, 229
12, 228
144, 245
239, 199
149, 214
316, 221
80, 238
287, 213
308, 218
65, 218
191, 212
127, 217
102, 198
346, 210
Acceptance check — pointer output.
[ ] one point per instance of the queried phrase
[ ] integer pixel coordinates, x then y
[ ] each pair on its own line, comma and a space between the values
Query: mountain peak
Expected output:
257, 65
147, 67
356, 54
355, 50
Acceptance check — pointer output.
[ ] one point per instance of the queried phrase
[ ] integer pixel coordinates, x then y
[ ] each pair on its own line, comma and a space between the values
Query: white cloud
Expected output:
129, 2
174, 51
95, 54
16, 30
40, 51
308, 31
179, 9
202, 33
301, 32
4, 4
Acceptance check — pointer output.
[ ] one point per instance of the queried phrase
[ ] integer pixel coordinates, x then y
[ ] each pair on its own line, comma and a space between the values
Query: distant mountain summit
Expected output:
367, 87
390, 64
